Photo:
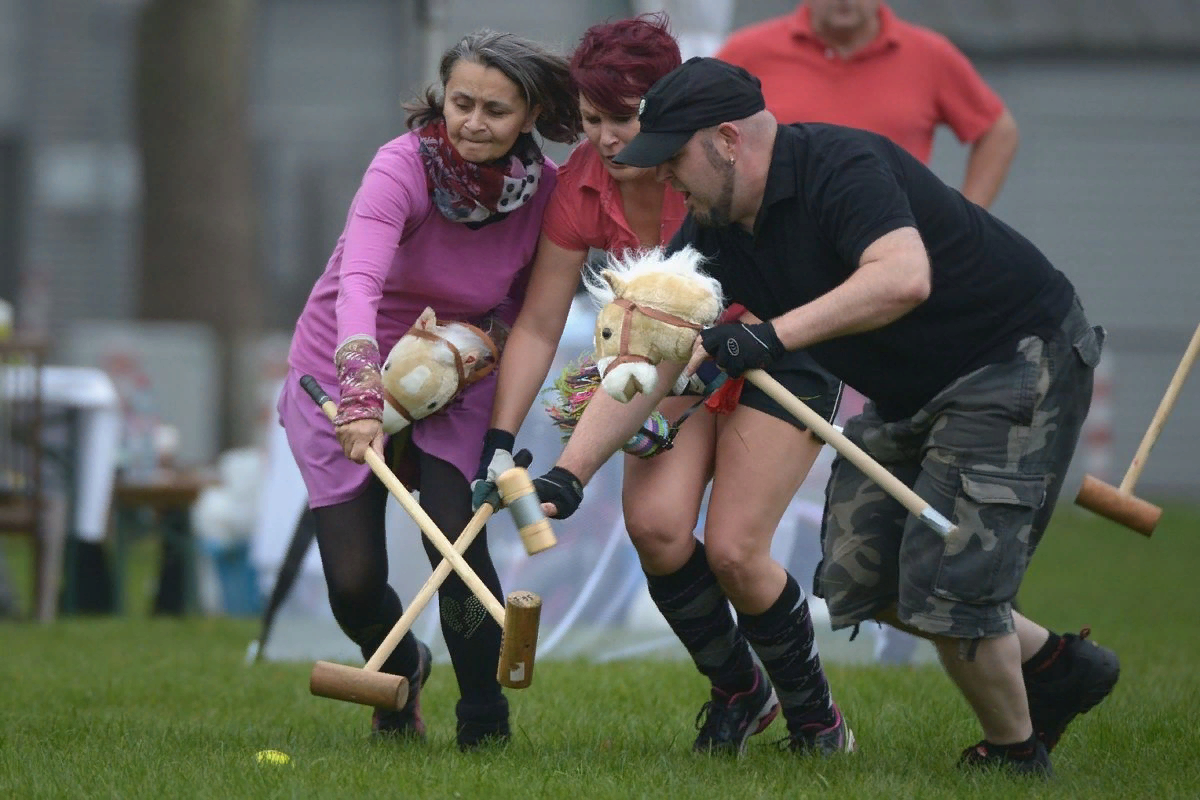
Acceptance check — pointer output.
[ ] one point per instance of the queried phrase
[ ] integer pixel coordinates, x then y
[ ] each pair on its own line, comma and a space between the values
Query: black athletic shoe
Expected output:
1054, 703
482, 725
822, 740
407, 722
985, 756
725, 722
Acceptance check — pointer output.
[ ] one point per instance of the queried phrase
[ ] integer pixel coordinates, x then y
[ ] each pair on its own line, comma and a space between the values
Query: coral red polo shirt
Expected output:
586, 209
903, 84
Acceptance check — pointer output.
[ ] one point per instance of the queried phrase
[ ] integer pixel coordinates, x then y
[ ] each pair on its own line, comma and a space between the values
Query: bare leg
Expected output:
992, 684
760, 463
661, 496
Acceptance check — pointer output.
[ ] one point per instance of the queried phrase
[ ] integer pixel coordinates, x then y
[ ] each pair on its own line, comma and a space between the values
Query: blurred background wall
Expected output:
1105, 180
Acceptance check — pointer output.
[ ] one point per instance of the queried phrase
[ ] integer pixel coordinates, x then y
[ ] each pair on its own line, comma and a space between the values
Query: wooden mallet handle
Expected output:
1160, 416
852, 452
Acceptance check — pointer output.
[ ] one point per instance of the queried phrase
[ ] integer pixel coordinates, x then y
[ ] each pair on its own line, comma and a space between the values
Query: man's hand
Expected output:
560, 492
495, 458
737, 347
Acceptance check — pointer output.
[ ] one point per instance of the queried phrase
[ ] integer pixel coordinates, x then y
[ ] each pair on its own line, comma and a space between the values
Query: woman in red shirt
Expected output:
756, 455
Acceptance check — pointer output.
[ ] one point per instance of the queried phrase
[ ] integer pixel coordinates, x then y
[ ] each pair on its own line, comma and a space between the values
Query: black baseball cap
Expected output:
699, 93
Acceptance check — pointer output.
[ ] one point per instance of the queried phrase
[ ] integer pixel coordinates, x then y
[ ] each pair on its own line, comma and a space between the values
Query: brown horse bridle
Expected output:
623, 354
465, 378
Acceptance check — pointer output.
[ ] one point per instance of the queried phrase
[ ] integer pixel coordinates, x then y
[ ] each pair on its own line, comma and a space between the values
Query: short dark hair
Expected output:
542, 76
618, 60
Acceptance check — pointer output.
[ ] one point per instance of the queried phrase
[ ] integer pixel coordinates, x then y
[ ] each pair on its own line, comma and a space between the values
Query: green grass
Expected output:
140, 707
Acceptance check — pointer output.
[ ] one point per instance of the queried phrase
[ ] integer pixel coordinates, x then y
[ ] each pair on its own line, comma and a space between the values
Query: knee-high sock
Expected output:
698, 612
783, 638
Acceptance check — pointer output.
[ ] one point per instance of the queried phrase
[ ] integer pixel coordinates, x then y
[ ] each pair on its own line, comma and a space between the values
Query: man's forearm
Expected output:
879, 292
991, 156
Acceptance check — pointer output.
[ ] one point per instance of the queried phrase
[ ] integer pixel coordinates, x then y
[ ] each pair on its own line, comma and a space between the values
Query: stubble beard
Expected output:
720, 213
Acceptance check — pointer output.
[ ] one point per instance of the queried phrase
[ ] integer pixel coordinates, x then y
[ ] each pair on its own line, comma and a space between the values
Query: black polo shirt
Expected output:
831, 192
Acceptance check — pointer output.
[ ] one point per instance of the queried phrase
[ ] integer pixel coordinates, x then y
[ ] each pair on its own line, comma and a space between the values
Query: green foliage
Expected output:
154, 708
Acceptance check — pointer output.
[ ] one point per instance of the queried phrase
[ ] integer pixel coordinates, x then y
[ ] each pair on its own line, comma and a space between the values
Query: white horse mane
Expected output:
686, 263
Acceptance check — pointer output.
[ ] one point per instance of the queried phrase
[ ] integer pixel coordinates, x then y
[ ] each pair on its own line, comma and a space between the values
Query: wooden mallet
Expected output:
852, 452
1119, 503
518, 619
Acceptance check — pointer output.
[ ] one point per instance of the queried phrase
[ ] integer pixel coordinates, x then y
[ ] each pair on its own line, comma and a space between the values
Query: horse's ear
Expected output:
614, 280
427, 321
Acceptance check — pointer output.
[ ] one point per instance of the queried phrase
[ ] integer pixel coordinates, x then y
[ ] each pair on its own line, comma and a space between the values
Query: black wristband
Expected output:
499, 439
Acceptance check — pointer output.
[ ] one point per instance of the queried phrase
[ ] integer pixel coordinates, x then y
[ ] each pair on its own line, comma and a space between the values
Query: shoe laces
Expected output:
809, 735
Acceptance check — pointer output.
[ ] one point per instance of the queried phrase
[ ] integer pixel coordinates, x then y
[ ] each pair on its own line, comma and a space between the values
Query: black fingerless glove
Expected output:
737, 347
560, 487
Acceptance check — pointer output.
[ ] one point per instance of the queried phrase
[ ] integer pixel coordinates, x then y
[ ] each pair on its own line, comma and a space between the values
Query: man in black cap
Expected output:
973, 348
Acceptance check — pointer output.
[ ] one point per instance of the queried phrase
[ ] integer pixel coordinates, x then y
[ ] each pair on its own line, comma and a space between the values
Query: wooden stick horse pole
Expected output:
518, 619
852, 452
1119, 504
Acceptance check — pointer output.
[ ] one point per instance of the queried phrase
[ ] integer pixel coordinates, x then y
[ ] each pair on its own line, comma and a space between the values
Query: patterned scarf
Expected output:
475, 193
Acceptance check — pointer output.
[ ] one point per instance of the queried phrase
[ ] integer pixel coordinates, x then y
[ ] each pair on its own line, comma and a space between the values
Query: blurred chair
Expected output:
26, 508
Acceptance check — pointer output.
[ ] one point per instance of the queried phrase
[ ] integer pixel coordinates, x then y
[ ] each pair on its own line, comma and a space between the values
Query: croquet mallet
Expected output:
518, 619
1119, 503
852, 452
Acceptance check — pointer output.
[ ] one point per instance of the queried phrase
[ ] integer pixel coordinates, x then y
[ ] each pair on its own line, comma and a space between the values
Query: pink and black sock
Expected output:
698, 612
784, 640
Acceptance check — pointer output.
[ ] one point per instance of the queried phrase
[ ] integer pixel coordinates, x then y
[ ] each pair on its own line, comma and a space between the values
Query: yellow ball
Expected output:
273, 757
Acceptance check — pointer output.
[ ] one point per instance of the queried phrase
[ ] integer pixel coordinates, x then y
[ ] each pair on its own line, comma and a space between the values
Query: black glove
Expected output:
560, 487
738, 347
495, 458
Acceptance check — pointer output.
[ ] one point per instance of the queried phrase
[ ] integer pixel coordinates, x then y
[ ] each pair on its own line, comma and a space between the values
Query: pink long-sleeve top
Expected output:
397, 255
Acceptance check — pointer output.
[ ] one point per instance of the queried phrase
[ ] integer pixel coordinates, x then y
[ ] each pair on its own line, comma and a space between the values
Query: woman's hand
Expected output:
355, 437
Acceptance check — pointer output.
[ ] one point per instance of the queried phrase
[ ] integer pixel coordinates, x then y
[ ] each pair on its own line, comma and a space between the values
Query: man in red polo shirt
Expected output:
853, 62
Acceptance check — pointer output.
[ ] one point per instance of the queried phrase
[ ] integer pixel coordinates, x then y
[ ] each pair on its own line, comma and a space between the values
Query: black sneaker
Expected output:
984, 756
482, 725
1054, 703
725, 722
407, 722
821, 740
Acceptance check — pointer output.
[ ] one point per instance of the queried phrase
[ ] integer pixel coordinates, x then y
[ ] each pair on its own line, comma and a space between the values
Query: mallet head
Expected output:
522, 614
517, 492
354, 685
1121, 507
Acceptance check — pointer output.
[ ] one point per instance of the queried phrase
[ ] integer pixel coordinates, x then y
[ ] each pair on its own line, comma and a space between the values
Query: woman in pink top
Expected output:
756, 455
447, 216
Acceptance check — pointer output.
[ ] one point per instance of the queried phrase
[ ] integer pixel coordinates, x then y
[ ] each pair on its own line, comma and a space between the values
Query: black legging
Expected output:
351, 539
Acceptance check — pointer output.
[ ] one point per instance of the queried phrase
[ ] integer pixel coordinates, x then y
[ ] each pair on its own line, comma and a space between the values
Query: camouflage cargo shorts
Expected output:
990, 452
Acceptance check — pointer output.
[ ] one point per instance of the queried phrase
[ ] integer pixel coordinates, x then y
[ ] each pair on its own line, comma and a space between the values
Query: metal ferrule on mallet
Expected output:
518, 494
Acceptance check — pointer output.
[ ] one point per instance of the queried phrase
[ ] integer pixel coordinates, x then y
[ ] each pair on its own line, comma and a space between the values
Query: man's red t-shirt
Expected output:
903, 84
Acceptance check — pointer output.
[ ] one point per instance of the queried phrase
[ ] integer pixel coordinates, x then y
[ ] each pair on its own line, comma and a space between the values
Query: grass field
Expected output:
139, 707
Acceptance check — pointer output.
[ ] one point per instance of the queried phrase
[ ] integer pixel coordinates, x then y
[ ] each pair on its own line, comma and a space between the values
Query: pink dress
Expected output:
397, 255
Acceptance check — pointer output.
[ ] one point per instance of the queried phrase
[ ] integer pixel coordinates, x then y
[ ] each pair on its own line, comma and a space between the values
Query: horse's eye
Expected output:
432, 405
387, 365
606, 333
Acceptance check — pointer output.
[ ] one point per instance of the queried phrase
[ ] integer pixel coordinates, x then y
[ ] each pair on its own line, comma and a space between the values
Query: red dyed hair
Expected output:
618, 60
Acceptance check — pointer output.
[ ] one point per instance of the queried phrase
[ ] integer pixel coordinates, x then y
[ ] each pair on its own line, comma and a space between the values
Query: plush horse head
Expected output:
652, 308
429, 366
